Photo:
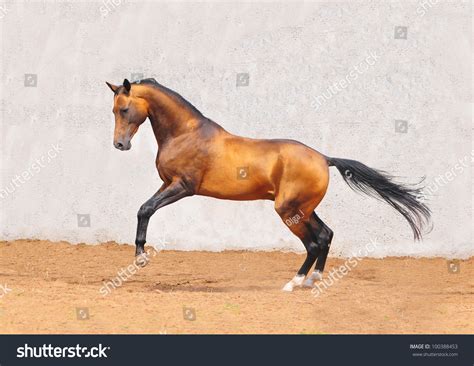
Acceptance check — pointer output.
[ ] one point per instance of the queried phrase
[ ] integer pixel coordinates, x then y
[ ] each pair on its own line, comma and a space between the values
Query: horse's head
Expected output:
130, 112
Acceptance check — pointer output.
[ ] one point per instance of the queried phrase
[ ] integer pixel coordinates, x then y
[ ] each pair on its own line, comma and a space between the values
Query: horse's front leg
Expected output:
166, 195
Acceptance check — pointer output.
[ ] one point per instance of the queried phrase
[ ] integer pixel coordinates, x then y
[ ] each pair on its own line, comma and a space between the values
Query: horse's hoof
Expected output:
315, 276
288, 287
142, 260
296, 281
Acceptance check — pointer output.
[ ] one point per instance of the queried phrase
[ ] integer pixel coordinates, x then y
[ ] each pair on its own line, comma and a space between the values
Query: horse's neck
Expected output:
168, 117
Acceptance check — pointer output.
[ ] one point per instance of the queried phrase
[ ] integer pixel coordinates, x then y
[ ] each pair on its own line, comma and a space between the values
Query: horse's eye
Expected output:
125, 110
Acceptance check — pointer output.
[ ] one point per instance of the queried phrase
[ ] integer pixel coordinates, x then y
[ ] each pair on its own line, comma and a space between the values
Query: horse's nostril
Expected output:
119, 145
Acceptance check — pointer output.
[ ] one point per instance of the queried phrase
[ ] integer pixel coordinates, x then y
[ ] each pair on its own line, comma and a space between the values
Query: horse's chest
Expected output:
172, 164
165, 167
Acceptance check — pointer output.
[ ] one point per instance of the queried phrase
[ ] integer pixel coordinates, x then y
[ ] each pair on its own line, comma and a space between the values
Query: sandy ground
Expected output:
56, 288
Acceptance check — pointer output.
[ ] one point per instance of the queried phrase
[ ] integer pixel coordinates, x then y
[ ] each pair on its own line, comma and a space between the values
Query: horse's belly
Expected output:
240, 169
239, 186
238, 196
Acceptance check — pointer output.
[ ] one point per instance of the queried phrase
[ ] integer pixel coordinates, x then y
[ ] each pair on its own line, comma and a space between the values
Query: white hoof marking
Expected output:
315, 276
142, 260
288, 287
296, 281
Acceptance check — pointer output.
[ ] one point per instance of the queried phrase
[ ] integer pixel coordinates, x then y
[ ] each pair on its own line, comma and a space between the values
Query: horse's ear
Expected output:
114, 88
127, 85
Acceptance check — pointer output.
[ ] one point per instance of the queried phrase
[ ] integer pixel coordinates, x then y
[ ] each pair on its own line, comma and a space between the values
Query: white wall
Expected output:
293, 52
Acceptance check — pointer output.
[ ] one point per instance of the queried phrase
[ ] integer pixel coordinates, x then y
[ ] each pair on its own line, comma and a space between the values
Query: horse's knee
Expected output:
145, 211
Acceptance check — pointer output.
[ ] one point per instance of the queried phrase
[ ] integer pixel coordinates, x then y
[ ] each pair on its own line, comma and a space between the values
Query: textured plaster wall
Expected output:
386, 83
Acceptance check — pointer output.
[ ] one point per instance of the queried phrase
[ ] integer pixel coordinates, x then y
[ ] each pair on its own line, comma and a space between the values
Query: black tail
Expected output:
379, 184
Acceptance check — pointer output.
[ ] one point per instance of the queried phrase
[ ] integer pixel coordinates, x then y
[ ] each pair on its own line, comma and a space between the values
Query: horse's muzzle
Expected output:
123, 146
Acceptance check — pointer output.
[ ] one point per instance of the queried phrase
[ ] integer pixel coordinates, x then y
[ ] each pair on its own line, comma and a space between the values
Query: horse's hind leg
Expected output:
324, 237
298, 221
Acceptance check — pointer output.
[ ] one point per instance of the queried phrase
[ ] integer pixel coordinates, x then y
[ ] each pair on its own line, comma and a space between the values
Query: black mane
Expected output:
171, 93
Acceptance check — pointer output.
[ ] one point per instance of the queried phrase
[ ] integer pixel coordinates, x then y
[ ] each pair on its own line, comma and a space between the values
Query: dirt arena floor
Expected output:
58, 288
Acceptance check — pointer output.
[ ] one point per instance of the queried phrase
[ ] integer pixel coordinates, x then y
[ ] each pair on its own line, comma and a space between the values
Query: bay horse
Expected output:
196, 156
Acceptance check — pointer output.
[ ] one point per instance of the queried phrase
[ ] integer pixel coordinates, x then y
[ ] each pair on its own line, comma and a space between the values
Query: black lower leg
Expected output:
308, 263
324, 237
141, 234
321, 262
165, 196
312, 250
